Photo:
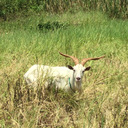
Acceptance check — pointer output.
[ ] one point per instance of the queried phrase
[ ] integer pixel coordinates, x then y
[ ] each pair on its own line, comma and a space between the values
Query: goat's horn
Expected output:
87, 59
76, 61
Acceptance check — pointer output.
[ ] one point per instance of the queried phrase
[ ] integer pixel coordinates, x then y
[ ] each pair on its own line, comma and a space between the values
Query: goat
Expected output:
67, 78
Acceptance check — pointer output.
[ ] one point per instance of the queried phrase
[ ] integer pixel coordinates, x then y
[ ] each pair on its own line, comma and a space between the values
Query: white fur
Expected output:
58, 76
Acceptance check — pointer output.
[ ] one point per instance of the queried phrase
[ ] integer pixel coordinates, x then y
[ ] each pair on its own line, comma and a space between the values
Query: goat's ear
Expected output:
87, 69
70, 67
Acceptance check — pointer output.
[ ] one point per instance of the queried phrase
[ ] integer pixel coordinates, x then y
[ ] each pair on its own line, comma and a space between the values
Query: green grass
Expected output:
104, 101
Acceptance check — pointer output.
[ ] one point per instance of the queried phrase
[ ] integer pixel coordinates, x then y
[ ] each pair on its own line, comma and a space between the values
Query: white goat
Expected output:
66, 78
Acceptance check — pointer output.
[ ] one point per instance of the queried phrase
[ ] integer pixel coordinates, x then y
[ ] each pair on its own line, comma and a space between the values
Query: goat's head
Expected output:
79, 68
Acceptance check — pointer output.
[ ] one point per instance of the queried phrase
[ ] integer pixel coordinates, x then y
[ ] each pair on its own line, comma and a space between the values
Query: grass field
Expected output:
104, 100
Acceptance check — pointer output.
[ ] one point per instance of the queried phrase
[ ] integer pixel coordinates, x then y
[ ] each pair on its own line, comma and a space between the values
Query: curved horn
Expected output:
76, 61
87, 59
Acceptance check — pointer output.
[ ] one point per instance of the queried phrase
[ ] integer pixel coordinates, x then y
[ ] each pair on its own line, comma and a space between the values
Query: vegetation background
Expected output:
115, 8
33, 31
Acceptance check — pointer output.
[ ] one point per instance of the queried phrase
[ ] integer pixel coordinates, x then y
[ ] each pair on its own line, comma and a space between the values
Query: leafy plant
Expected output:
51, 26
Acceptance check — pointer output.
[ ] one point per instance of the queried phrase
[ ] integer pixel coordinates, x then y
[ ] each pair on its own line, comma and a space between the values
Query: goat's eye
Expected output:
83, 71
74, 70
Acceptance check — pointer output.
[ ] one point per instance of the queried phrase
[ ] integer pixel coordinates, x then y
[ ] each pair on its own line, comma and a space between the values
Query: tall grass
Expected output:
104, 100
10, 9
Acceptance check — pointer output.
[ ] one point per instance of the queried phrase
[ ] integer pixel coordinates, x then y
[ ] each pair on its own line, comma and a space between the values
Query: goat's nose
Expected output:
78, 78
